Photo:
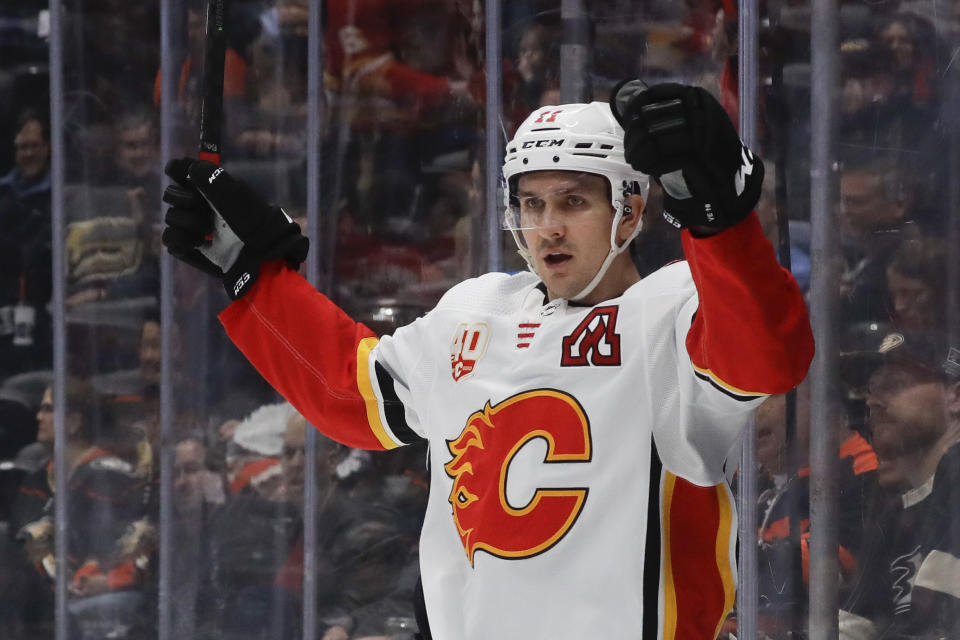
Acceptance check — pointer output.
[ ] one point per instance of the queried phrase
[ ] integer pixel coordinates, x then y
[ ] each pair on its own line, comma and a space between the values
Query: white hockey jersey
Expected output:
577, 453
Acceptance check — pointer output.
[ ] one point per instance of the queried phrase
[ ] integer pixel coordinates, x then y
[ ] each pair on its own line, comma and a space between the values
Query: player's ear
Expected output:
633, 208
632, 216
636, 204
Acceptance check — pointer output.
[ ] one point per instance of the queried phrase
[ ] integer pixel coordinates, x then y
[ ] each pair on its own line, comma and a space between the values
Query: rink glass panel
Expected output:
896, 213
401, 217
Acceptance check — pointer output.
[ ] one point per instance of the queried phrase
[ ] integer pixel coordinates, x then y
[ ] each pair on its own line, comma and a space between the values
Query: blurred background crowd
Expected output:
403, 217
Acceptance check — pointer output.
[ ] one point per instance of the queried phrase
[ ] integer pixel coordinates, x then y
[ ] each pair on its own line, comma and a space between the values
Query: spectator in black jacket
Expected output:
25, 271
911, 557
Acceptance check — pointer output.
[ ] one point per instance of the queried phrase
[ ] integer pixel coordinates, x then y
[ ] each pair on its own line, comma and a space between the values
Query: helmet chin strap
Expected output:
615, 250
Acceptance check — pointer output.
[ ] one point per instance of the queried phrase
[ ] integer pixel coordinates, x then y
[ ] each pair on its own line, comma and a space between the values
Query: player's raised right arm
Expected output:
307, 348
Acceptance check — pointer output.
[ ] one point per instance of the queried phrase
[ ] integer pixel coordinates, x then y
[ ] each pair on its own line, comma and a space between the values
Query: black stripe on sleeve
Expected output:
735, 396
651, 551
393, 408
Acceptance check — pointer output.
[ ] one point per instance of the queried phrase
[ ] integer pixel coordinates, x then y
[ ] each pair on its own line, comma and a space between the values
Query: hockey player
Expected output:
578, 417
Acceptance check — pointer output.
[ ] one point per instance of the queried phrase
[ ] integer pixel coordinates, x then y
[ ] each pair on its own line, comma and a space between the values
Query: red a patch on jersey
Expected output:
595, 341
467, 347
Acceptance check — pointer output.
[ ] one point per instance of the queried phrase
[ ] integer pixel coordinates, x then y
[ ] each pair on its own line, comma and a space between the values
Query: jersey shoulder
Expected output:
671, 279
495, 293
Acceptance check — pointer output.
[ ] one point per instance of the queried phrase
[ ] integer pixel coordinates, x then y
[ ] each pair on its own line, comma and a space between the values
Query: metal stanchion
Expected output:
748, 91
824, 445
165, 524
575, 83
314, 132
58, 225
495, 135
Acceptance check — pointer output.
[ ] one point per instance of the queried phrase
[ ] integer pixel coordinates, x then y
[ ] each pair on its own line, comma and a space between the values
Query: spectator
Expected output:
37, 487
908, 586
19, 400
278, 83
366, 561
873, 115
29, 182
253, 457
25, 260
188, 81
24, 584
141, 384
259, 530
874, 207
909, 39
196, 486
916, 284
538, 62
783, 508
198, 491
137, 161
362, 38
105, 545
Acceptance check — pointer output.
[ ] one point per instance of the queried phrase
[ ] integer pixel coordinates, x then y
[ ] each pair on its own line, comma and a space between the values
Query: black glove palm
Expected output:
682, 137
223, 227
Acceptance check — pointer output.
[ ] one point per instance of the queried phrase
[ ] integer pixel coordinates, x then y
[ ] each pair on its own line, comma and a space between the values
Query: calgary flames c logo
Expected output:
482, 454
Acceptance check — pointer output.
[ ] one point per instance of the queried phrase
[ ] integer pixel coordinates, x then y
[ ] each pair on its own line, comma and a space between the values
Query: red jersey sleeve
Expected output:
751, 334
315, 355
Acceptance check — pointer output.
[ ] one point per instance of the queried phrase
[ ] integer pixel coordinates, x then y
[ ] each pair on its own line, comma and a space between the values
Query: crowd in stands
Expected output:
402, 217
894, 410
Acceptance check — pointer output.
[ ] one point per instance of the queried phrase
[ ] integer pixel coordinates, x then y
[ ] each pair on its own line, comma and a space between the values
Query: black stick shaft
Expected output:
211, 109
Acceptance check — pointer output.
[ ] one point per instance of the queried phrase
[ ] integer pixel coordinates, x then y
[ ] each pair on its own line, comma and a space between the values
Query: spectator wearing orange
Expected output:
188, 80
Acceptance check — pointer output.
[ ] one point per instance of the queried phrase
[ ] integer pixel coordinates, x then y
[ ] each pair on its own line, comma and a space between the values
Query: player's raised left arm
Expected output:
751, 334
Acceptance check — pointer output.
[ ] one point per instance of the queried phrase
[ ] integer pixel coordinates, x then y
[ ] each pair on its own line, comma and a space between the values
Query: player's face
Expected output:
907, 416
565, 218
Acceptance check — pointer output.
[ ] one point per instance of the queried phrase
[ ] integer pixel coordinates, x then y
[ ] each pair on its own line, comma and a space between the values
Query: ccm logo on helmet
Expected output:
541, 143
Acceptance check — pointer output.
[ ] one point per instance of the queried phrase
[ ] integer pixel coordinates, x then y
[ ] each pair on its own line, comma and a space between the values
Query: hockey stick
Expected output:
211, 109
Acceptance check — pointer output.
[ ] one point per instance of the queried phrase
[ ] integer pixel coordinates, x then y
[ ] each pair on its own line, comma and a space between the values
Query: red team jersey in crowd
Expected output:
360, 42
576, 453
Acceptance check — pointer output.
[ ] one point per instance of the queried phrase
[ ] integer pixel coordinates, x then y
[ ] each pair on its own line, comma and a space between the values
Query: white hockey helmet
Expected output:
572, 137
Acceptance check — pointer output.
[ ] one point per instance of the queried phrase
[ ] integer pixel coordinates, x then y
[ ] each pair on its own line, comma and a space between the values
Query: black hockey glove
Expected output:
223, 227
681, 136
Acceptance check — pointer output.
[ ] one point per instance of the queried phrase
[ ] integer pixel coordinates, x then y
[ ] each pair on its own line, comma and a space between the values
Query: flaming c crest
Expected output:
482, 454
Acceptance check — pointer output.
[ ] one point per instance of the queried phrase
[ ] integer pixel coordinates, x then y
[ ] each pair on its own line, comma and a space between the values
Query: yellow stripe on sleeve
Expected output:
365, 386
724, 535
669, 590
